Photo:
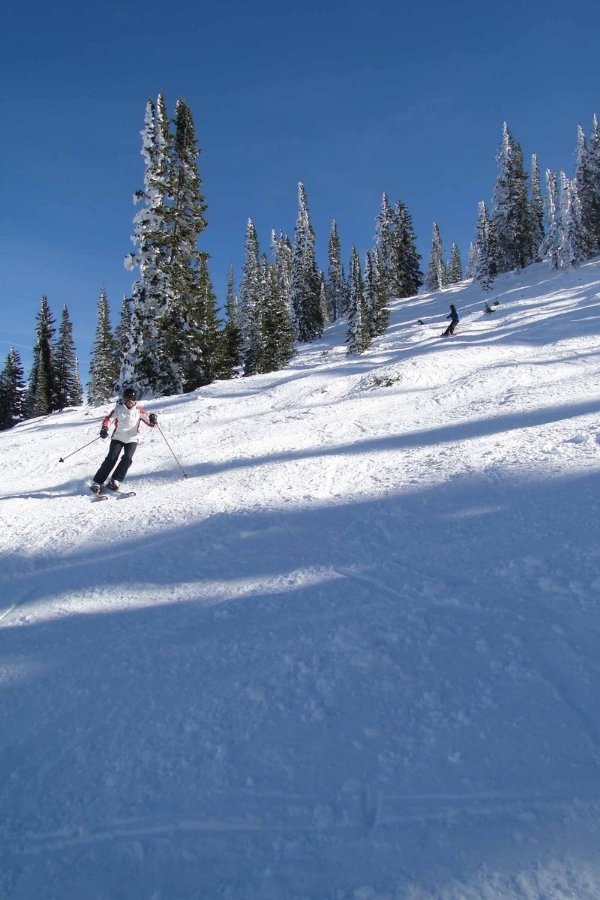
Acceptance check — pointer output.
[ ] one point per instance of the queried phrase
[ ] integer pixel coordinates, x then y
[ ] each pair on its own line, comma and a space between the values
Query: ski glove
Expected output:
153, 418
103, 433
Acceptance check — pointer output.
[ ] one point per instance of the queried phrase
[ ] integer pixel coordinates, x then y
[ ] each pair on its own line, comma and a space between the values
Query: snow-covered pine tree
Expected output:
375, 300
573, 245
232, 333
251, 300
358, 335
104, 364
454, 271
337, 288
407, 277
324, 302
536, 211
384, 245
192, 337
582, 190
305, 284
436, 277
277, 329
12, 391
147, 363
283, 259
68, 387
471, 261
511, 213
552, 239
485, 249
593, 209
41, 388
125, 342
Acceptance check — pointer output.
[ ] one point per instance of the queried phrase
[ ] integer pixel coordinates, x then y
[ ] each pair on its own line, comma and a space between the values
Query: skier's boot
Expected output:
113, 485
95, 487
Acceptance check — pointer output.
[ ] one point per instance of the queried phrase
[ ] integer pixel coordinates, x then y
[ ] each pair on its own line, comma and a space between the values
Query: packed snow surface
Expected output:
353, 655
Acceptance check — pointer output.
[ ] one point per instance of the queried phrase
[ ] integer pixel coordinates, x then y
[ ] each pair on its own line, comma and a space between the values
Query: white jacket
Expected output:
127, 422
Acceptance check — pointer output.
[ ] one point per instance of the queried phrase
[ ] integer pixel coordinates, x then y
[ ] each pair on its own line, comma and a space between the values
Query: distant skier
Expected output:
126, 416
455, 320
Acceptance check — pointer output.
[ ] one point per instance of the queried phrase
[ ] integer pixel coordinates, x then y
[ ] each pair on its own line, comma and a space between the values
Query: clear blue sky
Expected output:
353, 99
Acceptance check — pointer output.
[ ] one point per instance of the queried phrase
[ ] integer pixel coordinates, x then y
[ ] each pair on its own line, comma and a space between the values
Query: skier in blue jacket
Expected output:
455, 320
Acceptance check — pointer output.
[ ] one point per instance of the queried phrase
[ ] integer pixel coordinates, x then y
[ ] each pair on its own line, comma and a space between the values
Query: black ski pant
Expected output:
111, 459
450, 329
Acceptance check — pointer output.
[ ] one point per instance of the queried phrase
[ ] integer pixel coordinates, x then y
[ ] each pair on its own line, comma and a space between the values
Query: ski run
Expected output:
354, 655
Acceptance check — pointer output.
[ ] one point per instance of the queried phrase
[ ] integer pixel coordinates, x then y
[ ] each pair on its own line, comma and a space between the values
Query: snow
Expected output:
352, 656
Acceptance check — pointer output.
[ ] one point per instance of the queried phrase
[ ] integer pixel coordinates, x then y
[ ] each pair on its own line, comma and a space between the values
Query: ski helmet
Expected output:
129, 394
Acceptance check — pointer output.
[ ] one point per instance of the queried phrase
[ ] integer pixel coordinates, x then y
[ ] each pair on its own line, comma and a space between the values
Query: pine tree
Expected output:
511, 213
384, 245
436, 277
173, 304
471, 261
358, 336
125, 343
233, 341
305, 285
12, 391
283, 261
485, 249
277, 346
104, 365
375, 300
337, 288
536, 211
552, 240
582, 188
407, 274
454, 269
41, 390
251, 299
67, 384
593, 203
573, 245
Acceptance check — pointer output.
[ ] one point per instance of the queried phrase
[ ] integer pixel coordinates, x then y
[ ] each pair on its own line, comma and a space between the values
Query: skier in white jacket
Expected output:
126, 416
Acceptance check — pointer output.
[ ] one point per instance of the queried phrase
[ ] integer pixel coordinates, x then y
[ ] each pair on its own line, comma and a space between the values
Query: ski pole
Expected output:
62, 459
171, 449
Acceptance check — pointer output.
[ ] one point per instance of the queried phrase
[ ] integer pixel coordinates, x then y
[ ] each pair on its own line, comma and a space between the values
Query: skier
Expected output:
127, 416
455, 320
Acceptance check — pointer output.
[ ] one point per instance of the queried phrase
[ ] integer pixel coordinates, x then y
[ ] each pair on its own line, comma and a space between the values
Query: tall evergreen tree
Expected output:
593, 204
277, 347
305, 287
485, 249
375, 299
581, 190
41, 390
12, 391
283, 261
251, 299
471, 261
67, 383
436, 277
552, 239
125, 341
454, 268
511, 213
104, 365
358, 335
337, 288
233, 341
148, 363
536, 211
574, 247
173, 304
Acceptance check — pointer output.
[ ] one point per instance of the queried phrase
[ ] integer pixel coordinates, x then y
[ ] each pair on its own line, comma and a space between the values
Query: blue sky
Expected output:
353, 99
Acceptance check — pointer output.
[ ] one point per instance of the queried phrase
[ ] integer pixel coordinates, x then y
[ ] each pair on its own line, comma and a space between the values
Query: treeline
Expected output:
524, 226
171, 339
53, 382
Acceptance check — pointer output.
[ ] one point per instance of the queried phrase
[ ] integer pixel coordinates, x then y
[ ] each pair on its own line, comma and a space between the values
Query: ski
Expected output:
105, 494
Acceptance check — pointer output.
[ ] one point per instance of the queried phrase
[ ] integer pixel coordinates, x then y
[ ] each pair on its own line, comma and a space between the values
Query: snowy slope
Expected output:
352, 656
